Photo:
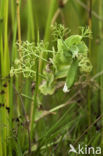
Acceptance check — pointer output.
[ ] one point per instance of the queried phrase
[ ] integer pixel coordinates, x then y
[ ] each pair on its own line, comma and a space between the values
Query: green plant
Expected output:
71, 54
50, 92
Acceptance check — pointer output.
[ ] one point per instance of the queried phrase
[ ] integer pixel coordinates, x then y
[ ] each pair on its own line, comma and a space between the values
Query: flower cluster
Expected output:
84, 63
58, 31
26, 63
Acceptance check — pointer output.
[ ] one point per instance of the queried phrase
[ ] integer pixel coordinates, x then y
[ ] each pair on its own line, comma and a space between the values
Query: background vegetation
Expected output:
33, 124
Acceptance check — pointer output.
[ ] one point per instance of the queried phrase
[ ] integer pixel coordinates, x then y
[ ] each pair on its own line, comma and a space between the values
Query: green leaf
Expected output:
48, 86
62, 72
82, 47
74, 39
71, 76
60, 45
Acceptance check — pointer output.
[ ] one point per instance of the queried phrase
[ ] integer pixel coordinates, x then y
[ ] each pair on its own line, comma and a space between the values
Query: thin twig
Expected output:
55, 16
86, 8
90, 14
27, 123
97, 75
88, 128
58, 11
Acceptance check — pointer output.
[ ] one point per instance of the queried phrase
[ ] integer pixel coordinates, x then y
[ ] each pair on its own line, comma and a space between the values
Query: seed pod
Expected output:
72, 74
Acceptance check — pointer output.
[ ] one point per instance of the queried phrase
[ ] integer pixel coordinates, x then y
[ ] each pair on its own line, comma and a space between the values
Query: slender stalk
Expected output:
90, 14
18, 21
5, 73
90, 26
19, 80
90, 22
13, 56
101, 64
86, 8
30, 32
34, 103
49, 20
61, 4
1, 69
47, 30
30, 38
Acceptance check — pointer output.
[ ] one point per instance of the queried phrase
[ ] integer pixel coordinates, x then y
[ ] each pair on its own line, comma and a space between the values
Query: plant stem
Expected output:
18, 21
101, 64
34, 103
90, 26
47, 30
4, 73
30, 32
19, 80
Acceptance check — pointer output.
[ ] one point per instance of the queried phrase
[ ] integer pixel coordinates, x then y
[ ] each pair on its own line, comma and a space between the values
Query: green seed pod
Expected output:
71, 76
